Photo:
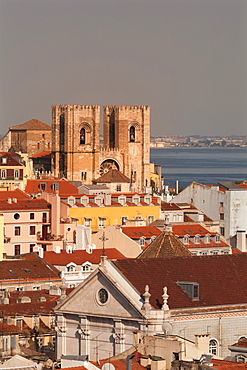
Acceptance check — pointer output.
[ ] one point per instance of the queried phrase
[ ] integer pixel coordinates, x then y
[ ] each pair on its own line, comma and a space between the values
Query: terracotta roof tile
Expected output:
24, 204
17, 193
192, 230
136, 232
8, 329
65, 188
169, 207
113, 175
165, 245
80, 256
227, 275
24, 269
33, 124
44, 154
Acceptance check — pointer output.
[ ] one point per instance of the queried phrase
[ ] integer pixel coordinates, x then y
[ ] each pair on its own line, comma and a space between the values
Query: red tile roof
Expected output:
241, 343
169, 207
42, 155
192, 230
17, 193
8, 329
227, 365
136, 232
65, 187
26, 309
80, 256
24, 204
112, 175
12, 160
222, 279
27, 270
33, 124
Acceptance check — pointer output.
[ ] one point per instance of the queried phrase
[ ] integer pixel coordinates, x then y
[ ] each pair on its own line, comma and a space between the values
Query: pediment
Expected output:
86, 299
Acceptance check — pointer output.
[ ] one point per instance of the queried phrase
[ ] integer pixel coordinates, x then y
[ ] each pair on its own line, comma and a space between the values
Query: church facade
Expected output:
76, 150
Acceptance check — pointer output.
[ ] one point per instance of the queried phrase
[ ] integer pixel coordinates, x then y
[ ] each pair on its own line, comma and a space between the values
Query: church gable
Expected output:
99, 296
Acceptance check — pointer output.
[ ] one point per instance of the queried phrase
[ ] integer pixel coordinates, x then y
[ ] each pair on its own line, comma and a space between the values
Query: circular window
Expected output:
102, 296
69, 228
16, 216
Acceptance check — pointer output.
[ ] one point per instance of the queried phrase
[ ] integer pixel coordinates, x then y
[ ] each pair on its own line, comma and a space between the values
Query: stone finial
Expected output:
146, 295
165, 297
63, 288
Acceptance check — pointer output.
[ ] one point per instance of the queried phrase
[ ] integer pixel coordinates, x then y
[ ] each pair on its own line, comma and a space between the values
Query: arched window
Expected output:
132, 134
213, 346
83, 136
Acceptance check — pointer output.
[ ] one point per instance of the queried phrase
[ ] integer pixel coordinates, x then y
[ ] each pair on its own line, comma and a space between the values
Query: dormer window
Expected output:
191, 288
42, 186
217, 238
186, 239
55, 186
87, 222
86, 267
152, 238
136, 200
142, 241
207, 239
122, 200
147, 199
4, 160
98, 201
84, 201
71, 201
197, 239
70, 267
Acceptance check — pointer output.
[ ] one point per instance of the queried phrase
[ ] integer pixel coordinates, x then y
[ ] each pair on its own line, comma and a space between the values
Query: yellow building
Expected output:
155, 177
113, 209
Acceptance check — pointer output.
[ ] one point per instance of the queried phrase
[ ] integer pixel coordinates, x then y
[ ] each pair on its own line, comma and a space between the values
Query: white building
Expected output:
225, 202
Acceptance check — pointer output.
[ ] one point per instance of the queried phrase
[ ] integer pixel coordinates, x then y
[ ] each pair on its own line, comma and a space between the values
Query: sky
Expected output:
187, 59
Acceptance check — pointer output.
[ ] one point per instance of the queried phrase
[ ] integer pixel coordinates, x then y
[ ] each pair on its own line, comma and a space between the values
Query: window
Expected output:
17, 249
191, 288
124, 219
98, 201
86, 268
70, 268
101, 222
55, 186
19, 323
142, 241
197, 239
5, 344
207, 239
38, 146
213, 346
132, 134
122, 200
71, 201
83, 136
118, 187
44, 217
17, 230
31, 246
222, 216
42, 186
217, 238
32, 230
16, 174
215, 252
221, 204
87, 222
84, 201
222, 231
31, 216
83, 176
186, 239
4, 160
17, 216
102, 296
136, 200
36, 287
150, 219
3, 174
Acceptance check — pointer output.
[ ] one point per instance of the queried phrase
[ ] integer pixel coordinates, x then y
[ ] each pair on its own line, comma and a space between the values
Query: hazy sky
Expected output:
187, 59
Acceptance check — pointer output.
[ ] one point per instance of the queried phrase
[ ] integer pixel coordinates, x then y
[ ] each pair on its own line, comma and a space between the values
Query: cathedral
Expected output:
78, 155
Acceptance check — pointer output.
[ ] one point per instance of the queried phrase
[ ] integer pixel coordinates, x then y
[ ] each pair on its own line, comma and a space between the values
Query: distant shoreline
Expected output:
199, 147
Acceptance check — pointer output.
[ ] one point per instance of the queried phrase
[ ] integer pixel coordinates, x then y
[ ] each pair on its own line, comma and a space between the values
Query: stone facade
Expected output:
31, 137
77, 154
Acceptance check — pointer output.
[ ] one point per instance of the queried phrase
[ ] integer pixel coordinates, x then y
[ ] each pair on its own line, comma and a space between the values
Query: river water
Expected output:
203, 165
